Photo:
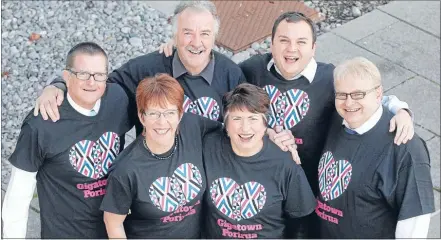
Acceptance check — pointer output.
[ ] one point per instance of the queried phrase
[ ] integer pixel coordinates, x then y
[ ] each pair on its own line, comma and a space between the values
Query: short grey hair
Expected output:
198, 6
358, 67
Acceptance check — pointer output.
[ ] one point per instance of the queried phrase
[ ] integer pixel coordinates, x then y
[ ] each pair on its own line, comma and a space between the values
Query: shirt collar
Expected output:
308, 72
369, 124
82, 110
179, 69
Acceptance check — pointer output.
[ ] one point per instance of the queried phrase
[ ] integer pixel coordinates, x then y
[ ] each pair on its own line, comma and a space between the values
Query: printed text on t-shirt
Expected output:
90, 189
336, 212
236, 230
181, 213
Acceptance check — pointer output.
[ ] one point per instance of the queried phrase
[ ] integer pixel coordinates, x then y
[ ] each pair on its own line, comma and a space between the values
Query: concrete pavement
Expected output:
403, 39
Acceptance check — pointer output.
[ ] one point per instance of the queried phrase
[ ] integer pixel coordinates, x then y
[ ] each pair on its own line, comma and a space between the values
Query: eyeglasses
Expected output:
354, 95
99, 77
153, 115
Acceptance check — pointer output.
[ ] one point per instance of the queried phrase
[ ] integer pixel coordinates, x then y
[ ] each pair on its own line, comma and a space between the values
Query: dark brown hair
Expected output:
246, 97
294, 17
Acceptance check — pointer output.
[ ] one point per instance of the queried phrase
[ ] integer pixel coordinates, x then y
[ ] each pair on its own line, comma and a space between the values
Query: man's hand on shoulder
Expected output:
47, 104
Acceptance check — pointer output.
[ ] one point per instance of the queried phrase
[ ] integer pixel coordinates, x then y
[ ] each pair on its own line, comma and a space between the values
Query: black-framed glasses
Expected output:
154, 115
354, 95
99, 77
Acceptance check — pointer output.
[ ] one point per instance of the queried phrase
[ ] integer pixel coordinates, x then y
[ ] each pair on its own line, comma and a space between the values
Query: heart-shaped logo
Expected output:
170, 193
93, 159
288, 108
334, 176
204, 106
237, 201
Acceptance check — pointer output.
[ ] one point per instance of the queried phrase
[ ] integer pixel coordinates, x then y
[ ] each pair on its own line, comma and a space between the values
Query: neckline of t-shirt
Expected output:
282, 81
364, 135
89, 118
248, 159
166, 154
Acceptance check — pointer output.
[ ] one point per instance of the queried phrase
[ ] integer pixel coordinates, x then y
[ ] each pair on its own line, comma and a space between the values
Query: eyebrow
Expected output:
302, 38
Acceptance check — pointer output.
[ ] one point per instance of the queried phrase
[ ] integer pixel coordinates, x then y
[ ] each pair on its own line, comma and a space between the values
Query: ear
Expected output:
141, 117
66, 76
379, 92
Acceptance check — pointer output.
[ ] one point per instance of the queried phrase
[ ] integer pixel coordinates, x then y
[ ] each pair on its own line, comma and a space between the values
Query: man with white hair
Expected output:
204, 73
370, 187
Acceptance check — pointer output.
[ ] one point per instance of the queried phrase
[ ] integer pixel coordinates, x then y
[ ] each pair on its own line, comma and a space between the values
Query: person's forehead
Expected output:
203, 17
352, 82
242, 112
165, 107
300, 28
84, 59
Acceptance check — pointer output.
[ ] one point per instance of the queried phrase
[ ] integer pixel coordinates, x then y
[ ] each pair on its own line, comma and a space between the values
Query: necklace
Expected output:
162, 158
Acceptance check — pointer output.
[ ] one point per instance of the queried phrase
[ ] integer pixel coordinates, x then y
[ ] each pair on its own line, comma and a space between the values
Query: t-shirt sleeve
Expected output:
28, 154
208, 125
119, 195
299, 199
414, 191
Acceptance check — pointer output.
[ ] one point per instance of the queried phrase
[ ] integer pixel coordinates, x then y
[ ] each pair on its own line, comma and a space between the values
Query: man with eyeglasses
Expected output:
370, 188
302, 97
68, 160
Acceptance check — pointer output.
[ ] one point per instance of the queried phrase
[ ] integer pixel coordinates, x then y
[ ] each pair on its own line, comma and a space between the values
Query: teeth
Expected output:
248, 136
195, 52
352, 110
164, 131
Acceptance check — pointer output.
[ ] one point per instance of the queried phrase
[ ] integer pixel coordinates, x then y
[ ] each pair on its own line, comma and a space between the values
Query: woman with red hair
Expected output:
157, 184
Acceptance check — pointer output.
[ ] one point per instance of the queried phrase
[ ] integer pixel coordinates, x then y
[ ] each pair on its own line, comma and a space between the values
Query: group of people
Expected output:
279, 146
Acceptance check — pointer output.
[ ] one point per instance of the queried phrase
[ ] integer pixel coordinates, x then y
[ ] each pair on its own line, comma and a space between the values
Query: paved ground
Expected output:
403, 39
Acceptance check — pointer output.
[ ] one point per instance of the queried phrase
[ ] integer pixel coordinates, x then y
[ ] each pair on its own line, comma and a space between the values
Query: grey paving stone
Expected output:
408, 47
423, 14
334, 49
371, 22
130, 137
423, 97
35, 204
434, 151
34, 225
423, 133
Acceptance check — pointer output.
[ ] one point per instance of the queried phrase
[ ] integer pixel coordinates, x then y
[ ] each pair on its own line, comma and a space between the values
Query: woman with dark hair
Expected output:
253, 186
157, 184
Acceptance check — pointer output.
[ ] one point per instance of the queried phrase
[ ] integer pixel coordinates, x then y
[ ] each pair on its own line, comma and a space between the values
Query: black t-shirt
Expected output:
251, 197
368, 183
163, 196
202, 98
72, 157
303, 107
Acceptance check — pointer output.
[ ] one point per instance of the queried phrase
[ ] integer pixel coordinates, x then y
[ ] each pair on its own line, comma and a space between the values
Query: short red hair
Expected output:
157, 91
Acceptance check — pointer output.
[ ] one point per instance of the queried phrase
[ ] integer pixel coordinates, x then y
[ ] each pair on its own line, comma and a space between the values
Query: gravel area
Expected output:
36, 36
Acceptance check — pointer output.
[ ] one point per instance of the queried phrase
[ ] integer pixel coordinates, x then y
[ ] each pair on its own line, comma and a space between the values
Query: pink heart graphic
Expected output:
170, 193
334, 176
93, 159
204, 106
288, 108
237, 201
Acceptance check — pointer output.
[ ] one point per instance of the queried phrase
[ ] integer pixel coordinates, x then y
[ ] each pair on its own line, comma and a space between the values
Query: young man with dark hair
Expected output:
301, 92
